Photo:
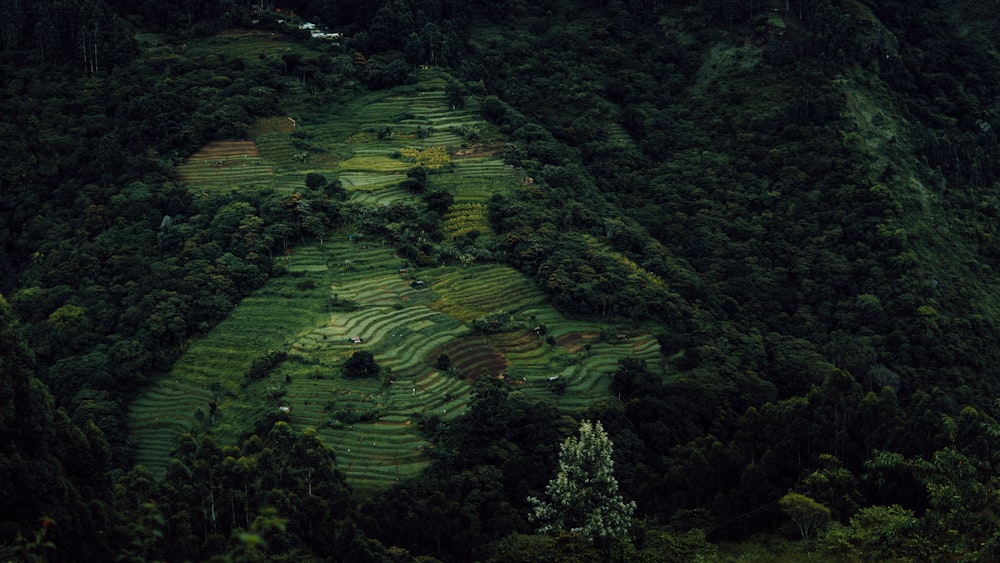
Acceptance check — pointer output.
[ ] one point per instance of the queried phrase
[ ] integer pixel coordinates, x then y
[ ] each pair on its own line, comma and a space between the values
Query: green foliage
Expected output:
146, 534
314, 180
807, 514
833, 486
276, 490
262, 366
33, 549
361, 364
656, 544
883, 533
443, 362
53, 470
497, 321
253, 541
583, 498
960, 485
492, 109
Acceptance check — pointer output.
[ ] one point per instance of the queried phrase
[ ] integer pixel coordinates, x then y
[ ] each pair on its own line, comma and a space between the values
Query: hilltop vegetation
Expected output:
347, 294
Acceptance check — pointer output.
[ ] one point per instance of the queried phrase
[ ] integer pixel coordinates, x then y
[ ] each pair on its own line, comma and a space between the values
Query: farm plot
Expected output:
618, 136
474, 357
473, 189
278, 149
471, 292
307, 259
360, 266
373, 174
381, 191
583, 374
226, 164
481, 167
373, 137
354, 293
463, 218
372, 427
160, 415
215, 366
374, 455
371, 424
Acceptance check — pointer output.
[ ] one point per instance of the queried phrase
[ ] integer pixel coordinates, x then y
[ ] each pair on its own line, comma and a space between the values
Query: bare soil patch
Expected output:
478, 151
573, 342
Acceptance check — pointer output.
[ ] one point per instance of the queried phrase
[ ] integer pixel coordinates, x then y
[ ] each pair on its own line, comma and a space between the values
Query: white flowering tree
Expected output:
584, 497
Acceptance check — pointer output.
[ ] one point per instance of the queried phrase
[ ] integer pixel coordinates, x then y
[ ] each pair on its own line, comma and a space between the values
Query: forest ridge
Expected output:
787, 211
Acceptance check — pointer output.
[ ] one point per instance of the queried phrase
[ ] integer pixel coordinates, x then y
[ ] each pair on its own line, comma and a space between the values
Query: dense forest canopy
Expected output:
796, 198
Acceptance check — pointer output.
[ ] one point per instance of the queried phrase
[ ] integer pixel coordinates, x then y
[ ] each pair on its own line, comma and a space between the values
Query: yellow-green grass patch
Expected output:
462, 218
373, 163
471, 292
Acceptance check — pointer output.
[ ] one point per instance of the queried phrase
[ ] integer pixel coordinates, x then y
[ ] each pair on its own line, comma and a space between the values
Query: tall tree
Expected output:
583, 498
807, 514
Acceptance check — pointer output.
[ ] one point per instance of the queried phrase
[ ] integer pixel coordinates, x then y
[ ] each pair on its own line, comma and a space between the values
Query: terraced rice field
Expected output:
277, 148
226, 164
214, 367
462, 218
365, 297
400, 330
160, 415
470, 292
373, 132
619, 136
270, 159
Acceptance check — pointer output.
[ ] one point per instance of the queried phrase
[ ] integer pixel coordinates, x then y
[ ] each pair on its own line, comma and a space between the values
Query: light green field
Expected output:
465, 217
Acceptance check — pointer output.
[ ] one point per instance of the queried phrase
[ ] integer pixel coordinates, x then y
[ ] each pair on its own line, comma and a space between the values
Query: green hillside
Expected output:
508, 281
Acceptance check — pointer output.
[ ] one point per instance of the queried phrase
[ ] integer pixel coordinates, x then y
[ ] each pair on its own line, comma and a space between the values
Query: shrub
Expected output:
492, 109
263, 365
360, 364
314, 180
498, 321
443, 362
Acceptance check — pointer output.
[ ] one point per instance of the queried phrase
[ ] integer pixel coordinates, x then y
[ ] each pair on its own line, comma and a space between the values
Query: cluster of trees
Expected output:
91, 34
109, 264
212, 493
792, 274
